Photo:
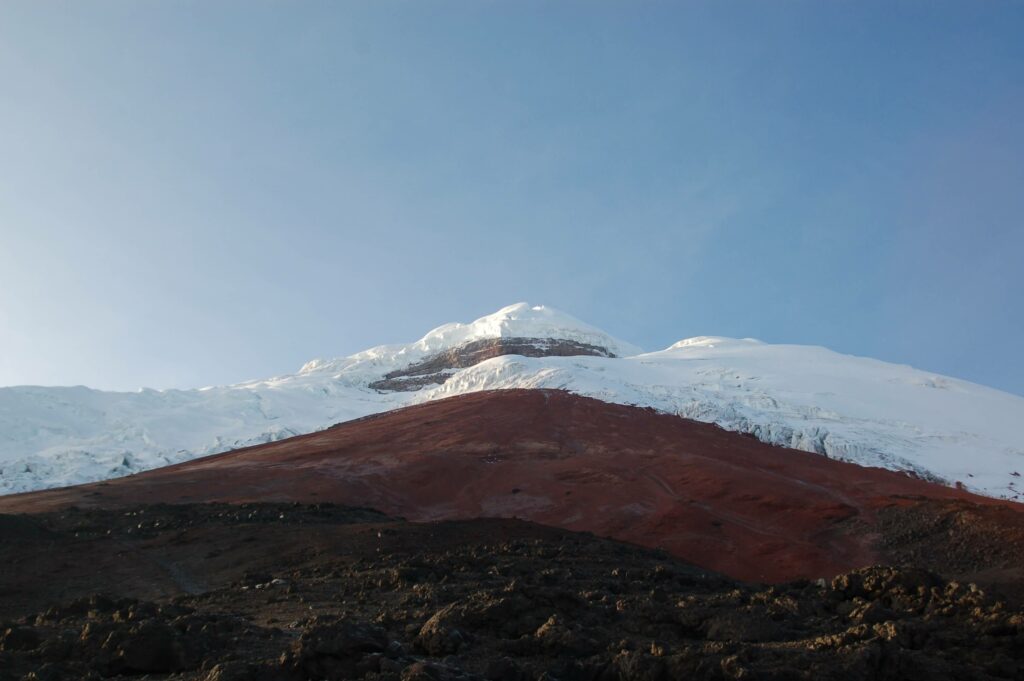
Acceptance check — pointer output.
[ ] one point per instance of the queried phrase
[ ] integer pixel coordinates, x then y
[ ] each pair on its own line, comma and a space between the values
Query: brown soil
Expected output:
719, 500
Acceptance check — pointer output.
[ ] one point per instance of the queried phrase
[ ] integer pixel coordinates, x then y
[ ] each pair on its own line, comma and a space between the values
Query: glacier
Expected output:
856, 409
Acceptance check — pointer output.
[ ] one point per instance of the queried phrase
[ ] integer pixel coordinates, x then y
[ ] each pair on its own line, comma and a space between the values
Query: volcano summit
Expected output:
809, 398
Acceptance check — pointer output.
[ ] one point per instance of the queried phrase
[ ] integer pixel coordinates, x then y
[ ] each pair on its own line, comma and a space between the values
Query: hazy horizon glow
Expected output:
202, 193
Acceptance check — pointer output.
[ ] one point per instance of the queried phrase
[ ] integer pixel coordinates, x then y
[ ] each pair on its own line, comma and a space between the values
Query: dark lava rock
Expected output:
153, 646
341, 650
343, 639
432, 671
19, 638
744, 625
438, 637
496, 599
246, 671
505, 669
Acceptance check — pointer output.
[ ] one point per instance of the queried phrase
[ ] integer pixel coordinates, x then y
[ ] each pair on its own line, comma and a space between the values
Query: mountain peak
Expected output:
523, 320
805, 397
519, 320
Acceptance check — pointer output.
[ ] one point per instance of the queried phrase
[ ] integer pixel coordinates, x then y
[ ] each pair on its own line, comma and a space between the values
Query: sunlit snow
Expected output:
811, 398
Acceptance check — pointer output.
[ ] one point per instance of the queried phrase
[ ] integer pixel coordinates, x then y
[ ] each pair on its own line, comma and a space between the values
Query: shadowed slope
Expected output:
291, 592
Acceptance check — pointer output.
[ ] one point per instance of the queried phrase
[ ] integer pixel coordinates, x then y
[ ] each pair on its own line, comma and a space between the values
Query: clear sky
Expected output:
198, 193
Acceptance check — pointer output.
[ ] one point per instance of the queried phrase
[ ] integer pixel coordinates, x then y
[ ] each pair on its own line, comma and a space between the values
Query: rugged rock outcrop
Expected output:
322, 592
436, 368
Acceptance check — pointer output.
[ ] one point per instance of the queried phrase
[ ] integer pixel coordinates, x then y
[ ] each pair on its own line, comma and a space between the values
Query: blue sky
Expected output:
195, 193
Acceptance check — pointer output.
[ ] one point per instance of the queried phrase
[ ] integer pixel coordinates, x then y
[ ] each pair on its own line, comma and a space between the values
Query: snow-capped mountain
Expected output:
811, 398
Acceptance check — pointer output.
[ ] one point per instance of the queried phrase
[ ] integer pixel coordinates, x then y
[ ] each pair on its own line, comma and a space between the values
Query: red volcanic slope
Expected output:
721, 500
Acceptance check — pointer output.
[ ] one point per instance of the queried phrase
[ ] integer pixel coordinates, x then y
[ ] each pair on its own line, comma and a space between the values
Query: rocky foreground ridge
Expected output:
291, 592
